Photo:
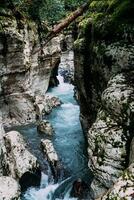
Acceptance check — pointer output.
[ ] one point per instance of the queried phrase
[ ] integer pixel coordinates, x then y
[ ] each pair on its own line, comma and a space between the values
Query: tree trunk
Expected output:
64, 23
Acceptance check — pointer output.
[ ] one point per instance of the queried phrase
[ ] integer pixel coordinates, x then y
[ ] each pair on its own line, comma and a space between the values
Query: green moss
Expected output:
78, 44
109, 19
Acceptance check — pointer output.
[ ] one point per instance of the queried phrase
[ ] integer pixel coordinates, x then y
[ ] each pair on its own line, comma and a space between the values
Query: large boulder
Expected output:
53, 159
9, 189
19, 160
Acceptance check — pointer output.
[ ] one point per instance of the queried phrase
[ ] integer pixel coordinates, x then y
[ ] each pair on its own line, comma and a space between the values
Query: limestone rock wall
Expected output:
24, 72
3, 164
104, 79
66, 67
123, 188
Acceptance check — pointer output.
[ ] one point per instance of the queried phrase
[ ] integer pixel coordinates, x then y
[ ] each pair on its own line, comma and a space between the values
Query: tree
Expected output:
64, 23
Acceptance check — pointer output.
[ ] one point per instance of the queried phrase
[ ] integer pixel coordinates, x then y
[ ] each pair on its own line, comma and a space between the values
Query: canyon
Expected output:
100, 66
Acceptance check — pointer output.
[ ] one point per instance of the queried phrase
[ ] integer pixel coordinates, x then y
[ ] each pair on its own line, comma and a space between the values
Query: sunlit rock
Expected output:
24, 72
9, 189
19, 159
45, 104
123, 188
49, 150
52, 157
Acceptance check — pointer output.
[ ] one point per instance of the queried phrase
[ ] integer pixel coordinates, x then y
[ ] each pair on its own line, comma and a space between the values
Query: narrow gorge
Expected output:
67, 104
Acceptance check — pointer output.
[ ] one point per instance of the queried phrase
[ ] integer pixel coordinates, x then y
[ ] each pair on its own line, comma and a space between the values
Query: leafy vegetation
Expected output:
42, 10
109, 18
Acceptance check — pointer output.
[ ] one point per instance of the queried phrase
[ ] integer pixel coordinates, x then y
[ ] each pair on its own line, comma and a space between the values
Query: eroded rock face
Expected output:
3, 165
66, 67
19, 159
24, 71
104, 78
123, 188
9, 189
108, 138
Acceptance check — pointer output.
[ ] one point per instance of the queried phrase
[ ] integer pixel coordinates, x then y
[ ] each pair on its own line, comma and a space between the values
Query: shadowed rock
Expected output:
45, 127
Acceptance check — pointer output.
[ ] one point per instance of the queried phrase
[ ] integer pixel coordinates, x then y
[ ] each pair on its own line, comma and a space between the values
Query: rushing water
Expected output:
69, 143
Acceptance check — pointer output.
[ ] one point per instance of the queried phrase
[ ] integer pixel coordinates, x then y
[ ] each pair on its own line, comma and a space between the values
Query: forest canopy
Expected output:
42, 10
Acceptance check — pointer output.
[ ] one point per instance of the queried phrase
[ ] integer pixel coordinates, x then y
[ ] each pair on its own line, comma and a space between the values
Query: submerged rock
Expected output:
19, 159
52, 157
45, 127
9, 189
80, 190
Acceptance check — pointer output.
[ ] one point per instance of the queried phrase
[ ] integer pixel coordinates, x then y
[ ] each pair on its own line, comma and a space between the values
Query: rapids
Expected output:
69, 143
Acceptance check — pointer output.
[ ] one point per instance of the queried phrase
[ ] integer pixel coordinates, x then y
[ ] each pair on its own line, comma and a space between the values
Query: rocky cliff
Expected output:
24, 71
25, 74
104, 78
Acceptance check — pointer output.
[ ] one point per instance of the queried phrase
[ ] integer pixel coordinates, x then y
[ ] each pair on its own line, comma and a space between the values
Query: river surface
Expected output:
69, 143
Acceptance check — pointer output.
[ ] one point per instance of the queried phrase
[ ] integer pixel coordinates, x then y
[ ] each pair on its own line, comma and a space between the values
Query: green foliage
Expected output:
72, 4
109, 18
52, 10
42, 10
